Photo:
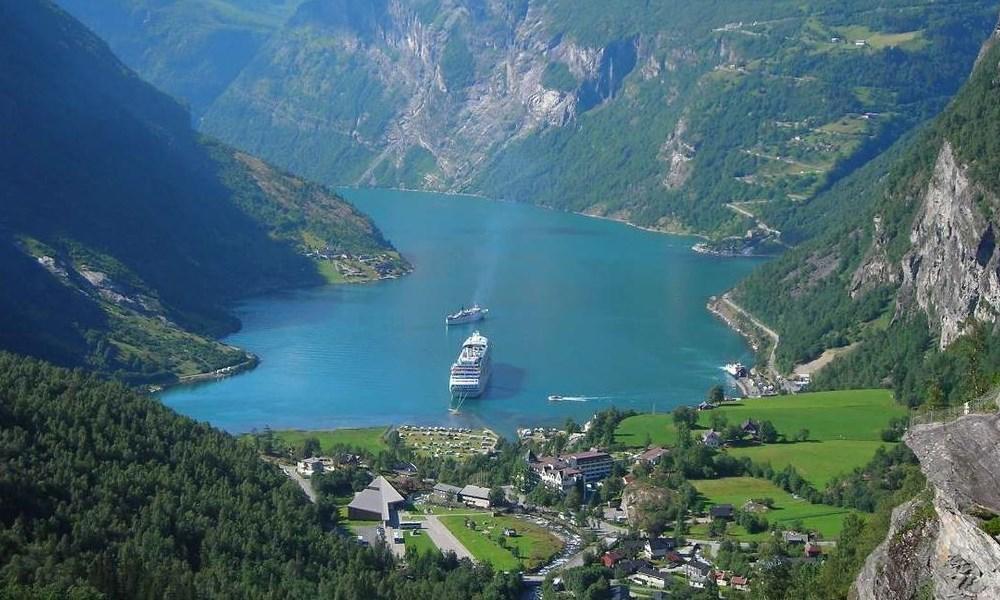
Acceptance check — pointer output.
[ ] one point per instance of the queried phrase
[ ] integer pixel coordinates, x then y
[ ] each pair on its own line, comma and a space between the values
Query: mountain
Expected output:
911, 281
108, 494
669, 114
126, 232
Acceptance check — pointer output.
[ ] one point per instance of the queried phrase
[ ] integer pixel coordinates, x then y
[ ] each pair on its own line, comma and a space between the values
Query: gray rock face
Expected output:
876, 269
952, 271
934, 545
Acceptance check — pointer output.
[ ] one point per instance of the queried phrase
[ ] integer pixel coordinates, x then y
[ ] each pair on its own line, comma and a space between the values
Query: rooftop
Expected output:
475, 491
378, 497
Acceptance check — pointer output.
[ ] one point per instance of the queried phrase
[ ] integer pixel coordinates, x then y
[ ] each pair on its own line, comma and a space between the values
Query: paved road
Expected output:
772, 363
444, 539
303, 482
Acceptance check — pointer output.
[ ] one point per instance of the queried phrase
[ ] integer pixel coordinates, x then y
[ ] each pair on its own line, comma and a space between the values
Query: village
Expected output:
558, 502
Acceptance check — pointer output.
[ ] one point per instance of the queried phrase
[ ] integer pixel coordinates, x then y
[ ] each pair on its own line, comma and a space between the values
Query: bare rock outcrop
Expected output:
952, 271
935, 546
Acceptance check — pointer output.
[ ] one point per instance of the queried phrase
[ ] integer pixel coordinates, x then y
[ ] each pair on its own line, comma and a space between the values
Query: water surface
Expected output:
579, 307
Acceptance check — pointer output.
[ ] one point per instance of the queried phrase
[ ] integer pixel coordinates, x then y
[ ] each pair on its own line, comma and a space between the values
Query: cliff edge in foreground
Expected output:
936, 547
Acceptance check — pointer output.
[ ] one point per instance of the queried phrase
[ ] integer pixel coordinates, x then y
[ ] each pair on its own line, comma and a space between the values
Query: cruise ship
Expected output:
467, 315
471, 371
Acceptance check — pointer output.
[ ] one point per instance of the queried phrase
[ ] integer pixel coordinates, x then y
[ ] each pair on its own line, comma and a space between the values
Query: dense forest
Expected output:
107, 492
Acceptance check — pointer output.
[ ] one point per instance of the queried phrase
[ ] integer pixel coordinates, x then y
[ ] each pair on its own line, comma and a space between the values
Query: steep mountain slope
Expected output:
915, 274
108, 494
126, 234
659, 113
197, 48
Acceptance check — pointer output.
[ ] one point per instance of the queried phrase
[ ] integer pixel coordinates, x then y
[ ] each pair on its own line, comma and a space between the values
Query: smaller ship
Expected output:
555, 398
736, 370
467, 315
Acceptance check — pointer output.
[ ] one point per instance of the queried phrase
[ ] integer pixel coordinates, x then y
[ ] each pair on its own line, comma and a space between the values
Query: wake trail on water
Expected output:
583, 398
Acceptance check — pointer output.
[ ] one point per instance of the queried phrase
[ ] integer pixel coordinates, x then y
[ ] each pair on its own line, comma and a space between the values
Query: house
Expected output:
509, 532
444, 492
794, 537
721, 511
564, 472
658, 547
740, 583
474, 495
721, 578
649, 576
612, 558
629, 567
652, 456
697, 572
711, 438
310, 466
706, 406
674, 558
377, 502
614, 515
750, 428
813, 550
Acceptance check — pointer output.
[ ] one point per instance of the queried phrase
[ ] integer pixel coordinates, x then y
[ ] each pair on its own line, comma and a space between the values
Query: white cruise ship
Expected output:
467, 315
471, 372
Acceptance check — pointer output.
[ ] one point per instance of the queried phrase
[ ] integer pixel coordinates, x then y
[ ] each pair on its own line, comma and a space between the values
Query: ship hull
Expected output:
463, 320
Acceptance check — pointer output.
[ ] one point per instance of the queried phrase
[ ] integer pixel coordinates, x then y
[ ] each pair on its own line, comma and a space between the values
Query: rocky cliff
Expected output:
952, 270
935, 547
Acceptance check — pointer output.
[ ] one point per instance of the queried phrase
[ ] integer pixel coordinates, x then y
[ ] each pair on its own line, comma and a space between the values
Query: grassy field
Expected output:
421, 542
817, 462
827, 520
844, 429
367, 439
535, 545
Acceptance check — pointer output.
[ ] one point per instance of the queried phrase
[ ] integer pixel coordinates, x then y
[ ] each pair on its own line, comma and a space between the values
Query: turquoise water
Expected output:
578, 307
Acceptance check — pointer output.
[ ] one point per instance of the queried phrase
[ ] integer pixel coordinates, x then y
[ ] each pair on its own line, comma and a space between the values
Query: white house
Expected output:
310, 466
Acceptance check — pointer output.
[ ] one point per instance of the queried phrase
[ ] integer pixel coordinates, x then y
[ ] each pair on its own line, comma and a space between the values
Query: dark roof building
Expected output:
377, 502
721, 511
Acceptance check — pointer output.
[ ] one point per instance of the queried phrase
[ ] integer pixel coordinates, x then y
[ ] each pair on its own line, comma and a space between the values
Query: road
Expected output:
302, 481
444, 539
772, 361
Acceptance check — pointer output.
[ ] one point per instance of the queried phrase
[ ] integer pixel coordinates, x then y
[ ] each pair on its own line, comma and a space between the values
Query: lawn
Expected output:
535, 545
368, 439
421, 542
844, 429
817, 462
827, 520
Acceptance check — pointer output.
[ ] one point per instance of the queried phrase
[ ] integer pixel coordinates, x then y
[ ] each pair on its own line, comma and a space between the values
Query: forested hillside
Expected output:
107, 492
913, 276
124, 234
661, 113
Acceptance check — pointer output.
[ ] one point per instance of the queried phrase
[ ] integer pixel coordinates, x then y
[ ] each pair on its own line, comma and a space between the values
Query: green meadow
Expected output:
419, 541
369, 439
844, 429
827, 520
535, 545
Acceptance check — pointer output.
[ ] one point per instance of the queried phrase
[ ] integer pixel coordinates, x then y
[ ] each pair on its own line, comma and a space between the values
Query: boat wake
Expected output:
578, 398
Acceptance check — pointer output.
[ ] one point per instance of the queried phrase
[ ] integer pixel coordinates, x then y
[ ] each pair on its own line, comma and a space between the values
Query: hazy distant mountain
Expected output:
124, 233
656, 112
